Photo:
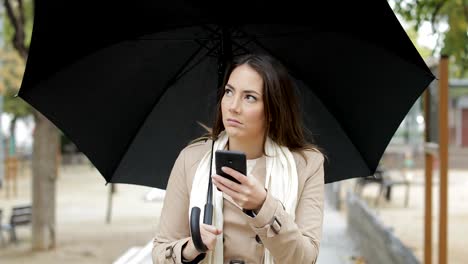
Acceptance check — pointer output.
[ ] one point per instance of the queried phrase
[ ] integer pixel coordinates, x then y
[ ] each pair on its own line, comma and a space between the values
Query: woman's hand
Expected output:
208, 234
250, 194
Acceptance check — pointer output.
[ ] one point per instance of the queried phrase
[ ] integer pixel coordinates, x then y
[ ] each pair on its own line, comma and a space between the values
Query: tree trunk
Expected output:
44, 173
46, 143
12, 142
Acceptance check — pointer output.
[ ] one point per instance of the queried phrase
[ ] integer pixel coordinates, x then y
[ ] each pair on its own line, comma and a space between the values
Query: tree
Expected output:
12, 66
454, 14
46, 135
413, 35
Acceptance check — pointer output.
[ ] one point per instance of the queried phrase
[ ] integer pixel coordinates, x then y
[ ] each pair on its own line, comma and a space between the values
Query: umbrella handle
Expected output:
207, 216
195, 229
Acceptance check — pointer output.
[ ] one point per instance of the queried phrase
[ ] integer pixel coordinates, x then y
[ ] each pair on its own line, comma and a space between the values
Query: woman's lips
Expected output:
233, 121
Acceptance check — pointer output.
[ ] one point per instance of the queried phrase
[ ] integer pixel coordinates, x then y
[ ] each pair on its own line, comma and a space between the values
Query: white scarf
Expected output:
281, 182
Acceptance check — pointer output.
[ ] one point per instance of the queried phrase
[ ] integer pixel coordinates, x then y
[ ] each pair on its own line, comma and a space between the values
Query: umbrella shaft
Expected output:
208, 214
226, 54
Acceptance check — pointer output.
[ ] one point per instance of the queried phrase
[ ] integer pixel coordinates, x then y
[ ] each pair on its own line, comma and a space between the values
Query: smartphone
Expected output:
233, 159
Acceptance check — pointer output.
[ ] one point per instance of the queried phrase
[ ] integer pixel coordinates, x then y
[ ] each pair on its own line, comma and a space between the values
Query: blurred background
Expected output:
414, 210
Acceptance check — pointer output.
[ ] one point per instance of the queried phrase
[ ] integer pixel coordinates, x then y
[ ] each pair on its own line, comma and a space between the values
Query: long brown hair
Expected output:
282, 114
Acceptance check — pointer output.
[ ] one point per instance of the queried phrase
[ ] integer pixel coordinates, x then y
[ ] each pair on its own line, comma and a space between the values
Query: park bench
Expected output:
385, 182
20, 216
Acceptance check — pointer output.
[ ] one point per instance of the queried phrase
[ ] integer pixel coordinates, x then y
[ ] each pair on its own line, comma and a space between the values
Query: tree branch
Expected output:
465, 12
21, 12
11, 14
18, 27
435, 13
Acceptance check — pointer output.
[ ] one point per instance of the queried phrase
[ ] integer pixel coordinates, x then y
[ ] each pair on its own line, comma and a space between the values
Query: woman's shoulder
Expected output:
195, 150
308, 158
308, 163
198, 144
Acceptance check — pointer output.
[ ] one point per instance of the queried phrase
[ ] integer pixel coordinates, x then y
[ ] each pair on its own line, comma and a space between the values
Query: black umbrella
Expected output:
128, 83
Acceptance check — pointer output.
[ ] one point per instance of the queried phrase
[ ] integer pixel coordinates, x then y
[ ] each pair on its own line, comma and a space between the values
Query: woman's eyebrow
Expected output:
230, 86
245, 91
251, 91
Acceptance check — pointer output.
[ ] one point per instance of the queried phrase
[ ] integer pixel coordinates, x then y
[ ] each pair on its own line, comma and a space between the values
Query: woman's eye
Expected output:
228, 92
251, 98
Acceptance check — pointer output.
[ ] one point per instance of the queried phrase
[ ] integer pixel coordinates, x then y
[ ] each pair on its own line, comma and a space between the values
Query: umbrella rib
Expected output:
181, 72
177, 76
203, 45
242, 46
210, 51
214, 32
257, 36
428, 73
300, 32
239, 46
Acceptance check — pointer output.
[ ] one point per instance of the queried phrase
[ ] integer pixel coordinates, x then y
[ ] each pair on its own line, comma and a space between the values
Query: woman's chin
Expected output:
233, 132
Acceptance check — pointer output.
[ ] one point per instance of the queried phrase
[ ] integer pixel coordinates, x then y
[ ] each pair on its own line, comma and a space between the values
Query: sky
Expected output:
426, 38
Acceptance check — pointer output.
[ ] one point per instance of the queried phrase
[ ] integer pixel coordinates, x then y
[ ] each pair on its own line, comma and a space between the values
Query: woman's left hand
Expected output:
250, 194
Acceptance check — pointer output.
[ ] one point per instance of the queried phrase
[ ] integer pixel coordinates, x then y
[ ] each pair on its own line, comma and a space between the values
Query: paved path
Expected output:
337, 246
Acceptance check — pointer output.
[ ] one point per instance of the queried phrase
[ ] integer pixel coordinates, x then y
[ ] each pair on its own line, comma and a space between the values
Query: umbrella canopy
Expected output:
129, 83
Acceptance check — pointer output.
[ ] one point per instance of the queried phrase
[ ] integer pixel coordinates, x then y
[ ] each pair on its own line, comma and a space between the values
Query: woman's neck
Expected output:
252, 149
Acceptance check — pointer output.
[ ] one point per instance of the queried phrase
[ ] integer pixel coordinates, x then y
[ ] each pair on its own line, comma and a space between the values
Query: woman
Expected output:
275, 215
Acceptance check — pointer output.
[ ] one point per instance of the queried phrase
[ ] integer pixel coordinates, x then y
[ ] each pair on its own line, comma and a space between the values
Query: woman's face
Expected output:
242, 104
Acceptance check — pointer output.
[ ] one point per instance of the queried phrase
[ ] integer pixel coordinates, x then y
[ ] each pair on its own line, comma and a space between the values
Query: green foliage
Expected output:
11, 74
453, 13
11, 63
413, 35
8, 30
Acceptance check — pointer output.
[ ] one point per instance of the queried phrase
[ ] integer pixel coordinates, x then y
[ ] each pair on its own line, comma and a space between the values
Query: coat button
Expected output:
257, 238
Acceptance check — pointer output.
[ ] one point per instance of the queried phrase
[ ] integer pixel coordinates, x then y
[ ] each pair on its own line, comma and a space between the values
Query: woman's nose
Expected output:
235, 105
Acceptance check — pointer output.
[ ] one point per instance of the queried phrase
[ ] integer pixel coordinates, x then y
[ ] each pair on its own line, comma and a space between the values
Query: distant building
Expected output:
459, 124
458, 109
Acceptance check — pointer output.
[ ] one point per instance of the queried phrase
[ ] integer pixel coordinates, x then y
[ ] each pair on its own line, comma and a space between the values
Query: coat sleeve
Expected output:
173, 229
296, 241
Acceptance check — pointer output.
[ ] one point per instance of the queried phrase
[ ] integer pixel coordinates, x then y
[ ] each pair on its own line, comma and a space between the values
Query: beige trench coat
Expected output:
245, 237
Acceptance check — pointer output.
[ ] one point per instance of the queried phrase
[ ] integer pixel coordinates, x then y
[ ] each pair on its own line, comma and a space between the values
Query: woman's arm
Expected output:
173, 230
294, 241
